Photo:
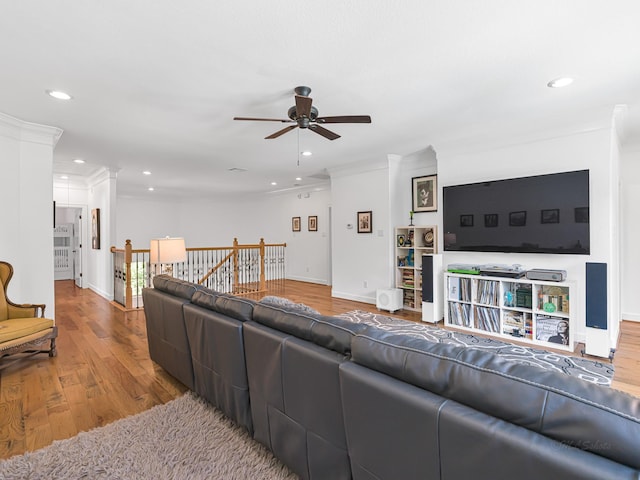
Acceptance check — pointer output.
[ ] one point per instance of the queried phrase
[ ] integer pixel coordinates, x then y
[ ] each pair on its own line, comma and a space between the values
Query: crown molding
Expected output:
29, 132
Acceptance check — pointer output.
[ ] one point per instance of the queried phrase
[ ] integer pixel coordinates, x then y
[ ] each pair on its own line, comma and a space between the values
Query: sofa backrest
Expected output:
175, 286
597, 419
328, 332
236, 307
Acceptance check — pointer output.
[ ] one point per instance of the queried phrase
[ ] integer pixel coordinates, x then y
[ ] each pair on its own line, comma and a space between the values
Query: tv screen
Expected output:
539, 214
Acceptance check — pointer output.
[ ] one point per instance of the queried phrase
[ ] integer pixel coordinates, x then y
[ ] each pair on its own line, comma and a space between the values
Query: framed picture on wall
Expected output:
295, 224
424, 191
95, 229
313, 223
365, 222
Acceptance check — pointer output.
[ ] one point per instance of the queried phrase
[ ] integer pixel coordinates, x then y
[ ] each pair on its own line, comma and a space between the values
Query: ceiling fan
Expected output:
304, 115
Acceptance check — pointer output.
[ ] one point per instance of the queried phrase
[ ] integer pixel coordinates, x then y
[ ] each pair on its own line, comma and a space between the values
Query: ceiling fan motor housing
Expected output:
303, 122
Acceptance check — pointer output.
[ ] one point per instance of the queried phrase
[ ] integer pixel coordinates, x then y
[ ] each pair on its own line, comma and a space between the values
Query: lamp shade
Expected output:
167, 250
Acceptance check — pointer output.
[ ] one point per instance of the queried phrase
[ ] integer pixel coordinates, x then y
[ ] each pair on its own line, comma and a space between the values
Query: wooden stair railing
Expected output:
240, 278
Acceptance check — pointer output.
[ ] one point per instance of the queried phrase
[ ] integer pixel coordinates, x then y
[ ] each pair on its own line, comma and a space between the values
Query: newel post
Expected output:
236, 270
128, 292
263, 283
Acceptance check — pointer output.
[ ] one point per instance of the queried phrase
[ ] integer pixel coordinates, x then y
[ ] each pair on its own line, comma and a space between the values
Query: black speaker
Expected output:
596, 292
427, 278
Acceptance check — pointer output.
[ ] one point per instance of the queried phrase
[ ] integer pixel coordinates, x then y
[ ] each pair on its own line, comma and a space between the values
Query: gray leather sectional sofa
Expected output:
336, 400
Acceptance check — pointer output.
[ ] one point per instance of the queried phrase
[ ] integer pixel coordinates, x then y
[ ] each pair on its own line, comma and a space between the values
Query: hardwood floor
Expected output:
103, 372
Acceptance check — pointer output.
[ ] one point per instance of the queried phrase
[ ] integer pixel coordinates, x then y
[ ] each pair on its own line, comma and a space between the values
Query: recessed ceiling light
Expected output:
64, 177
151, 189
146, 172
78, 160
298, 179
306, 153
274, 183
560, 82
59, 95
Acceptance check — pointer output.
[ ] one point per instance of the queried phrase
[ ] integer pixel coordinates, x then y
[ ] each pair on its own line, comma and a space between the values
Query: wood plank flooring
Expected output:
103, 371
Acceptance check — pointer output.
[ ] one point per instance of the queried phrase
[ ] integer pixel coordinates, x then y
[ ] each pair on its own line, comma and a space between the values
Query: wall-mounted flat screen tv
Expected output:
539, 214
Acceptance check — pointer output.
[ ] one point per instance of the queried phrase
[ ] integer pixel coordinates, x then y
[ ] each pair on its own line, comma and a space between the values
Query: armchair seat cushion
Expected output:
22, 327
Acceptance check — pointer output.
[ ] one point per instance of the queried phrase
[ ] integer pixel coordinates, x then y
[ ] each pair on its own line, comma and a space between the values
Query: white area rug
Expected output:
184, 439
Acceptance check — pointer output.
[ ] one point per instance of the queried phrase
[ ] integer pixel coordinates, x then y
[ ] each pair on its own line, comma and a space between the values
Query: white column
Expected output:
26, 212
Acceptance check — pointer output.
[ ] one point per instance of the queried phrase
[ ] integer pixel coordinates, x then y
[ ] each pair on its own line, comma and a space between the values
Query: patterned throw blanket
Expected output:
589, 370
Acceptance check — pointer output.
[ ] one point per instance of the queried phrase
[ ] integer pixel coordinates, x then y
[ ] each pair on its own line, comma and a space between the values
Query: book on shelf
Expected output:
454, 288
517, 324
459, 314
552, 329
487, 292
488, 319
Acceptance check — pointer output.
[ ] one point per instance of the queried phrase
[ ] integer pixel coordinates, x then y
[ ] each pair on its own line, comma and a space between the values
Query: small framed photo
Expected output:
425, 192
400, 241
518, 219
490, 220
313, 223
466, 220
365, 222
95, 229
550, 216
295, 224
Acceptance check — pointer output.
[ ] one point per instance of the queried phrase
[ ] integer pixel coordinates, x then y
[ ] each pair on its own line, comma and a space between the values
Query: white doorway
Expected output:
62, 251
71, 219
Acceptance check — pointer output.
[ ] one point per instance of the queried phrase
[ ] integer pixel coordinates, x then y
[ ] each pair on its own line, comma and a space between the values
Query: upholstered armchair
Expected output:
23, 328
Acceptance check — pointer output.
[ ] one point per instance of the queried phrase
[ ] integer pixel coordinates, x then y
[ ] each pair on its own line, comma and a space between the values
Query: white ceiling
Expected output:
156, 84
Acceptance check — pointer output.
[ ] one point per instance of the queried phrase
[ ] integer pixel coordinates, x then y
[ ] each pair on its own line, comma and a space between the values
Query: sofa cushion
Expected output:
601, 420
329, 332
21, 327
175, 286
235, 307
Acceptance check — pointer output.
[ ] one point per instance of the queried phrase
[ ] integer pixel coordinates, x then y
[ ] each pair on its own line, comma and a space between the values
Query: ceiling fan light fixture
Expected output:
560, 82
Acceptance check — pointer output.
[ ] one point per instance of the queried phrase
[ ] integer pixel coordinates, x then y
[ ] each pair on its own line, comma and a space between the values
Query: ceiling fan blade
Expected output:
264, 119
281, 132
345, 119
324, 132
303, 106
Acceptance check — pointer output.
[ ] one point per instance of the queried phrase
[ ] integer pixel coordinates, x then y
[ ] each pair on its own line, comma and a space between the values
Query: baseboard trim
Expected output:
355, 298
318, 281
632, 317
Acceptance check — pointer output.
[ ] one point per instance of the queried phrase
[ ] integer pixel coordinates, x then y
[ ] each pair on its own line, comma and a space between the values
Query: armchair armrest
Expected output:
25, 310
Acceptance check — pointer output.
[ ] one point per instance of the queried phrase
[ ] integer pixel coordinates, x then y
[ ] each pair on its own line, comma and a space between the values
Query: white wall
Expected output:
216, 222
630, 227
26, 236
70, 196
589, 150
102, 195
359, 258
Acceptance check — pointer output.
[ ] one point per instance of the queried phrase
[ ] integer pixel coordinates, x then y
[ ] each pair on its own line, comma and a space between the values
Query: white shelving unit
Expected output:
411, 243
518, 309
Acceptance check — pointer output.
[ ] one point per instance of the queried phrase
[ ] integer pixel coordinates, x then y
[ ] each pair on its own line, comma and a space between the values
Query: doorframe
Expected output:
84, 239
